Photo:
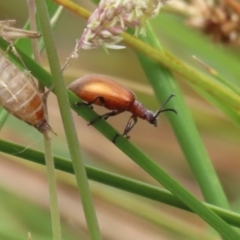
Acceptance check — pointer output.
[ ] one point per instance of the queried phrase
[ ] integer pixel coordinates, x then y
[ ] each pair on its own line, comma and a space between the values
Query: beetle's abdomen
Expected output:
19, 96
116, 97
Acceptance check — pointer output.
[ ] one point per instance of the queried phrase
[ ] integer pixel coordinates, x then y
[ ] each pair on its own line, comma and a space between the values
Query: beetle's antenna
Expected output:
160, 110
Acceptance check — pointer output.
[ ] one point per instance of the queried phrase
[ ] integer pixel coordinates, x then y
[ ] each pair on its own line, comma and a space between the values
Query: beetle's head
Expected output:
153, 116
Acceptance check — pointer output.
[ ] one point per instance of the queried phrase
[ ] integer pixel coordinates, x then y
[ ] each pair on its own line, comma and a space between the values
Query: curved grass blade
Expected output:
114, 180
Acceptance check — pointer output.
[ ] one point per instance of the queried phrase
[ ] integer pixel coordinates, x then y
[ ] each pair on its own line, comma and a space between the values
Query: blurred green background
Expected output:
23, 188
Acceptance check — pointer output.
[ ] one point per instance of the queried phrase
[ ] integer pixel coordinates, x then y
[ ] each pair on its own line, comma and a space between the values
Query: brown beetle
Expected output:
103, 91
20, 97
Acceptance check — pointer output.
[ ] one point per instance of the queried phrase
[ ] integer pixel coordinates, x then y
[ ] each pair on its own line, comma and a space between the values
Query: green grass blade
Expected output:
71, 136
164, 84
114, 180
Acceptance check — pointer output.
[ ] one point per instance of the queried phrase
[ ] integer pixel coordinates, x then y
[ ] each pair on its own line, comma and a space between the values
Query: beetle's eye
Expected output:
154, 121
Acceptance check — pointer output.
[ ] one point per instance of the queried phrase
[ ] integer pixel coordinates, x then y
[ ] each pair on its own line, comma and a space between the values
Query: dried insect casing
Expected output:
8, 32
19, 96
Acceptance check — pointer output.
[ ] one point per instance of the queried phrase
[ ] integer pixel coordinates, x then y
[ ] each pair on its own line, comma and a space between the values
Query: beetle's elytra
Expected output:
116, 97
19, 96
103, 91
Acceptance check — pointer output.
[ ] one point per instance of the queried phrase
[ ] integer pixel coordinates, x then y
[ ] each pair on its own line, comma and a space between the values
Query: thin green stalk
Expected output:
164, 84
70, 131
161, 219
52, 189
220, 78
50, 169
188, 137
214, 88
114, 180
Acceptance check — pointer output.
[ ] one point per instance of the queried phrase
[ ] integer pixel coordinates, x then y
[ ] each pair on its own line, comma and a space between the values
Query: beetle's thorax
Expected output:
140, 111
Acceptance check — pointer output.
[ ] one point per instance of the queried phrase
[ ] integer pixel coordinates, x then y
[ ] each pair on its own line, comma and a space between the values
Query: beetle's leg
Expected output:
129, 126
127, 129
89, 104
104, 116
